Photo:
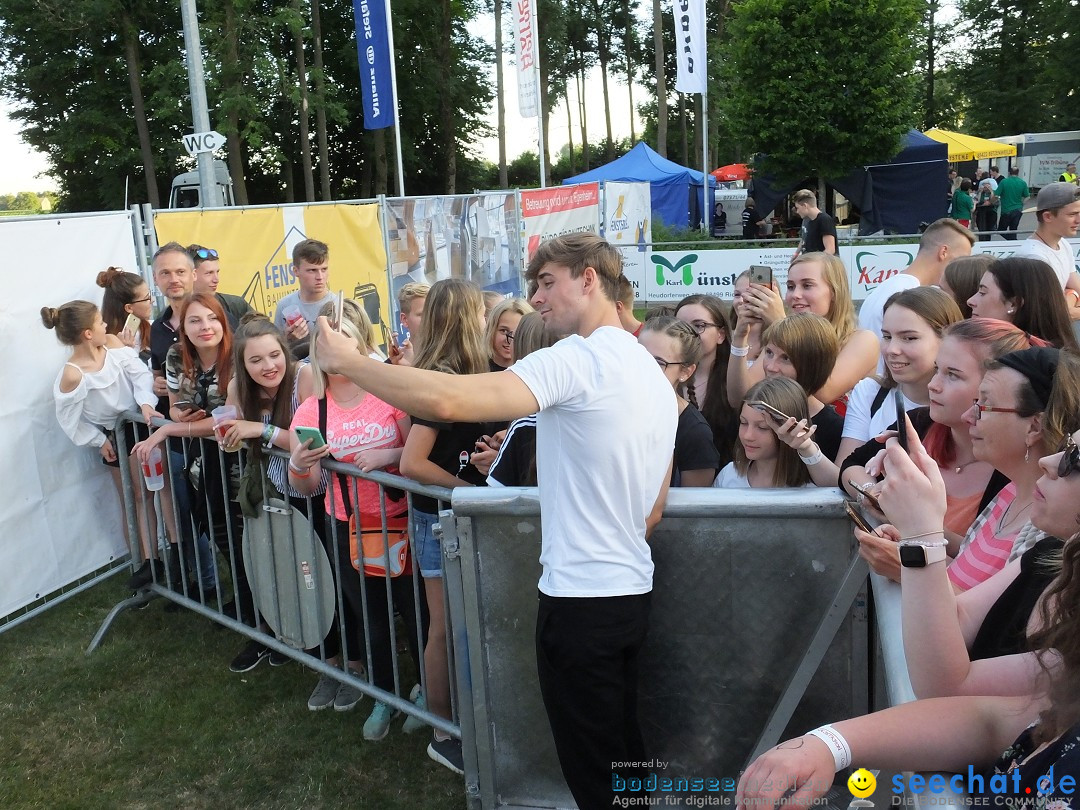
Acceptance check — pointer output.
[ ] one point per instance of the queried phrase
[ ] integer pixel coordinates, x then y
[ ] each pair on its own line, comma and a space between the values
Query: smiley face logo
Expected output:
862, 783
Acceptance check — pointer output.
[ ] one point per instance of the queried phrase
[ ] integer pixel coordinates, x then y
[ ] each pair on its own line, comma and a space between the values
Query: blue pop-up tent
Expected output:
895, 197
675, 190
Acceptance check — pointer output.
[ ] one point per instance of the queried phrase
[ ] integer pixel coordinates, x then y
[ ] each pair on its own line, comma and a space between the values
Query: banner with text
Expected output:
255, 246
671, 275
550, 212
376, 62
691, 59
627, 225
528, 72
61, 519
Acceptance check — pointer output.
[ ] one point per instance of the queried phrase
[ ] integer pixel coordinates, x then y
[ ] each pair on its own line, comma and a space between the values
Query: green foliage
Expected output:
821, 86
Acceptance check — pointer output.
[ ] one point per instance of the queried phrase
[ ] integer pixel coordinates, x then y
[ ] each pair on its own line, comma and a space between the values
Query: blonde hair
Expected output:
531, 335
841, 312
451, 338
518, 306
409, 293
788, 397
356, 324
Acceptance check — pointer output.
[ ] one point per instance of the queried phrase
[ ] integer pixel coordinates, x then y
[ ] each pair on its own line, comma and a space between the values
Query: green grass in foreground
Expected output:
154, 719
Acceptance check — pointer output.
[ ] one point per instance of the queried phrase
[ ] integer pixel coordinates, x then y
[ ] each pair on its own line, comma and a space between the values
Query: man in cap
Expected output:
1058, 210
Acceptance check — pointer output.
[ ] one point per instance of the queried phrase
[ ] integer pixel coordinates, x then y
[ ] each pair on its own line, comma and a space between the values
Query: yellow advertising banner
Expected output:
255, 249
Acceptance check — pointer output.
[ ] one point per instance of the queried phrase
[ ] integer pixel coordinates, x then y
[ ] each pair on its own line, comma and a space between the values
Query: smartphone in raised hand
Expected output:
761, 274
765, 407
901, 419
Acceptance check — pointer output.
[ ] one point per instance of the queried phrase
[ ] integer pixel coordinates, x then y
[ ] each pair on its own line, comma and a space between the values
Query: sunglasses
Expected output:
1070, 458
206, 253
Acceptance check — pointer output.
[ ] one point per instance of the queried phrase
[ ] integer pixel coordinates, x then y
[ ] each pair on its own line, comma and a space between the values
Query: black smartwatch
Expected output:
918, 555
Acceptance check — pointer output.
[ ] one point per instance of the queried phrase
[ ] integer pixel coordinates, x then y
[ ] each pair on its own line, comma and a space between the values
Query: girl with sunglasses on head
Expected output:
677, 348
1015, 716
707, 315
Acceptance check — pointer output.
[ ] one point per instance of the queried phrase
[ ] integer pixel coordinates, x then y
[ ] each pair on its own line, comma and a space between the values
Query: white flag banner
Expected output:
528, 54
690, 46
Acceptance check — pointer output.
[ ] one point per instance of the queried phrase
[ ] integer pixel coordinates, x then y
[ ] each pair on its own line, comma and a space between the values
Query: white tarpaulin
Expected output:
60, 518
628, 226
690, 46
528, 66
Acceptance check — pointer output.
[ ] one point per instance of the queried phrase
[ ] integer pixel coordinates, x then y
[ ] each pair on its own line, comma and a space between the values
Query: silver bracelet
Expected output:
740, 351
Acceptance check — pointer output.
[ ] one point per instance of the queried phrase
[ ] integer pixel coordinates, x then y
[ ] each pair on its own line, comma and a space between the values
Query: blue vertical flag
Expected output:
373, 49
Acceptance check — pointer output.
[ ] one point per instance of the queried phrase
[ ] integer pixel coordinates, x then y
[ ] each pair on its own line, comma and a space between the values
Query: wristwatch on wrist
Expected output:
920, 555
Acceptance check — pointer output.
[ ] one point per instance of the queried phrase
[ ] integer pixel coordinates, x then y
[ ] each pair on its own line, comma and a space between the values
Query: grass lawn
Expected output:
154, 719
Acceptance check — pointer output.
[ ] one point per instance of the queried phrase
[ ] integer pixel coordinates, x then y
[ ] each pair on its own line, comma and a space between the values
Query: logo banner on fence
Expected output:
376, 62
61, 519
628, 226
255, 246
550, 212
690, 53
527, 57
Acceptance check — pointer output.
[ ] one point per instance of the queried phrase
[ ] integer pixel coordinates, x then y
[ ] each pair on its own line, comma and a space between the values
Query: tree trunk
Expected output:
930, 118
499, 94
131, 52
301, 82
545, 112
661, 80
231, 79
320, 104
685, 133
570, 131
445, 51
586, 156
604, 57
629, 69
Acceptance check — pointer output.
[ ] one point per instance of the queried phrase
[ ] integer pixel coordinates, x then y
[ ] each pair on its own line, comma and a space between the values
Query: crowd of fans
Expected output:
779, 389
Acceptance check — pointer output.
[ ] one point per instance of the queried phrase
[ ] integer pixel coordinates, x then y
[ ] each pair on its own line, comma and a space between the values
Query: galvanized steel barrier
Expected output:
758, 630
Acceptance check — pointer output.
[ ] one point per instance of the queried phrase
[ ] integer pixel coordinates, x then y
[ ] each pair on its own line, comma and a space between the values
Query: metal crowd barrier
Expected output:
284, 573
758, 631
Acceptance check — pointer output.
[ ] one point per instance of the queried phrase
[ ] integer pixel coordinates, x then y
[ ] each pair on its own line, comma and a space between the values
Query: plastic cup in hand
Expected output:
153, 471
222, 414
293, 315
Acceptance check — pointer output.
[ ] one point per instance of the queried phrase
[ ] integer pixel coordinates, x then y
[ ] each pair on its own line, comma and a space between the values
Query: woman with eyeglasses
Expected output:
677, 348
127, 294
1010, 429
816, 283
971, 483
707, 315
1015, 716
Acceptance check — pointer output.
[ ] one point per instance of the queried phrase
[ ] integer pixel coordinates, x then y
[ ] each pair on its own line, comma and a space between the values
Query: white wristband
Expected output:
810, 461
838, 746
740, 351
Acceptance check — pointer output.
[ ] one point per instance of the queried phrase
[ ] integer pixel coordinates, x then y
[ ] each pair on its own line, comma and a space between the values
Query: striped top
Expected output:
983, 553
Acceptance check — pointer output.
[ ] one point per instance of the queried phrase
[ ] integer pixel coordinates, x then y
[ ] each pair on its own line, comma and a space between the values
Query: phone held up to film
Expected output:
132, 324
339, 309
761, 274
765, 407
901, 419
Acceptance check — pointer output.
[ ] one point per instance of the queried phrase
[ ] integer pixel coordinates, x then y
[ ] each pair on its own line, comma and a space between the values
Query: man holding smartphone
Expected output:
311, 266
600, 392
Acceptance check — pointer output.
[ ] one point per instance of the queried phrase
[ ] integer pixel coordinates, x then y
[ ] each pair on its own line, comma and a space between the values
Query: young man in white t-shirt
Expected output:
1058, 210
605, 436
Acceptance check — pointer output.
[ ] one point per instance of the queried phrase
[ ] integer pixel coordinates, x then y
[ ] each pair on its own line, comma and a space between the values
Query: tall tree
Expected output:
500, 90
661, 80
318, 73
796, 107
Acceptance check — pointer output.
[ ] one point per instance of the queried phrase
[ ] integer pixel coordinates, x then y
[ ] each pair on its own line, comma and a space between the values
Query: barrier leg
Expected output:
139, 599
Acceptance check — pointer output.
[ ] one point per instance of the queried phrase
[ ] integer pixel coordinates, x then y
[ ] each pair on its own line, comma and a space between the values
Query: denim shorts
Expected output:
426, 545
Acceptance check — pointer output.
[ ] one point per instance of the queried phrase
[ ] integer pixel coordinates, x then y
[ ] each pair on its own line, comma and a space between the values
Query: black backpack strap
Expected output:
879, 400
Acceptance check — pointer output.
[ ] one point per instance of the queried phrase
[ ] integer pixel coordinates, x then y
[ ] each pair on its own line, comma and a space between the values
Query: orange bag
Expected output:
370, 542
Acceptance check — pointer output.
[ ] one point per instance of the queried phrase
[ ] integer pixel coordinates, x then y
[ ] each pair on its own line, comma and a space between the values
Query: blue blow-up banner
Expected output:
373, 50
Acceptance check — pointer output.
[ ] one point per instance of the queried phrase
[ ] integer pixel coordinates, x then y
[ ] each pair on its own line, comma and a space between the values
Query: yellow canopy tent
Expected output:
968, 147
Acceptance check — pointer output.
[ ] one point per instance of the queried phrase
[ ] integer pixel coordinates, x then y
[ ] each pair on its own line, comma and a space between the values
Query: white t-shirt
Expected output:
605, 435
310, 311
859, 423
871, 312
730, 478
1061, 260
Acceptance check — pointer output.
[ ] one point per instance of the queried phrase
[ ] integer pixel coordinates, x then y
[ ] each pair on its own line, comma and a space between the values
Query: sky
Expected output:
21, 164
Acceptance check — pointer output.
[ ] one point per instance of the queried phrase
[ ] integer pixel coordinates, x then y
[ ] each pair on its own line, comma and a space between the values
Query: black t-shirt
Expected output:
830, 430
751, 223
694, 449
516, 463
456, 441
813, 233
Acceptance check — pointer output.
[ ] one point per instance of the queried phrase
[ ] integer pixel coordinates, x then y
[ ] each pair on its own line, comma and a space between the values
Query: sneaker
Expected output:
378, 724
249, 657
322, 696
412, 722
447, 753
348, 696
144, 575
278, 659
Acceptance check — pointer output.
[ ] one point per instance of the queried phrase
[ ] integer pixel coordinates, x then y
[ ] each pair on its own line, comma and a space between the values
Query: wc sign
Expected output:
203, 142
